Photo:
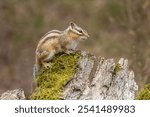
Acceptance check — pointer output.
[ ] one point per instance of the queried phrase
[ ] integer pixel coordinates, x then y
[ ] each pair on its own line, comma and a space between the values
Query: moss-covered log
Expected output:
81, 75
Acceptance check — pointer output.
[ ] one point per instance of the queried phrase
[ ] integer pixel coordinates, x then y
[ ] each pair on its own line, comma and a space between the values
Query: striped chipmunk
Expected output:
56, 41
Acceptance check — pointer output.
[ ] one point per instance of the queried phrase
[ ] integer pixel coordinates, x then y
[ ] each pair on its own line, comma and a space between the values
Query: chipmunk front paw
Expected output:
47, 65
69, 51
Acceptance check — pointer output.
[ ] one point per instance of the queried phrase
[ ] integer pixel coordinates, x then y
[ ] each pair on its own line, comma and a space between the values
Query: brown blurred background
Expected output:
117, 28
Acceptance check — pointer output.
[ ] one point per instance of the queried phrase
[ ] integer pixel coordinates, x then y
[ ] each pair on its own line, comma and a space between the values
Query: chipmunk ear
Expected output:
72, 25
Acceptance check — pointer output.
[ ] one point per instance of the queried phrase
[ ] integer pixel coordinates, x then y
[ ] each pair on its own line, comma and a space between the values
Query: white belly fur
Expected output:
73, 45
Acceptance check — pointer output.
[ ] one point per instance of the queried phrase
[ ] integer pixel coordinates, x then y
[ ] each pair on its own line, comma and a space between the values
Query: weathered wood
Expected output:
110, 81
75, 88
17, 94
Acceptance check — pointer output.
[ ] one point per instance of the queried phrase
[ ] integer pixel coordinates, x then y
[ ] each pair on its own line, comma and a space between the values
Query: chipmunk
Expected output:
56, 41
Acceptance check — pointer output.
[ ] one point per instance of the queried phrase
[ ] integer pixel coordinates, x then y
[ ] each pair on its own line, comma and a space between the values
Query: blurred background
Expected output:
117, 28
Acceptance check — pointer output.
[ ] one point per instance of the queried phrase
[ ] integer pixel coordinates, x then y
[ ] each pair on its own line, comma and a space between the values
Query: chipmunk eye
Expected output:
80, 31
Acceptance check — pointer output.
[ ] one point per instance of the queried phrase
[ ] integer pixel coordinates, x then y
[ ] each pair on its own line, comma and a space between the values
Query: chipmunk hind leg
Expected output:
38, 62
49, 57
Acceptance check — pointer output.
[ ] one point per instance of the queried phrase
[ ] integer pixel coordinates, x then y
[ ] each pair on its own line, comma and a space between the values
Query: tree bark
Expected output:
101, 79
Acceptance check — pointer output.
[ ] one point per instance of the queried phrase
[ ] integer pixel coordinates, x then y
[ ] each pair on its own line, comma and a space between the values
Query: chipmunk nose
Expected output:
87, 35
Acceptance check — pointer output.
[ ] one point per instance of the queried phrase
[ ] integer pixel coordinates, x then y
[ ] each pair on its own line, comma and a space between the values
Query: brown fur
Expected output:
57, 41
74, 35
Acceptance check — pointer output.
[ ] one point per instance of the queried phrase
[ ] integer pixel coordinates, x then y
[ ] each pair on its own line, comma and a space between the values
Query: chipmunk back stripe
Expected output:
50, 35
48, 38
52, 32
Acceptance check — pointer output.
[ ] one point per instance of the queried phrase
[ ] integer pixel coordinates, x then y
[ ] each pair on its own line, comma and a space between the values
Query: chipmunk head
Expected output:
77, 32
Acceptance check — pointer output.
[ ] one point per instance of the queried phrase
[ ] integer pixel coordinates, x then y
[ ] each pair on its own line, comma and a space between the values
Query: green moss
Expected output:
144, 94
118, 67
50, 81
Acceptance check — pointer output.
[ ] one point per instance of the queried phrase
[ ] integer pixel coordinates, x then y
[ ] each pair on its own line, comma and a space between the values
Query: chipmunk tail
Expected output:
36, 70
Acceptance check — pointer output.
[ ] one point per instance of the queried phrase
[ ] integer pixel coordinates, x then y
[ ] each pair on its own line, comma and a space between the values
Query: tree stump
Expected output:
91, 78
